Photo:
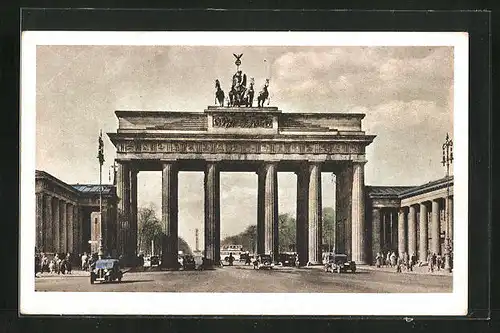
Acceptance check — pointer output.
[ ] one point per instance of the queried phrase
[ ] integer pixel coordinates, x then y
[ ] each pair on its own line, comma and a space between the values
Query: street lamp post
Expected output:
100, 157
447, 161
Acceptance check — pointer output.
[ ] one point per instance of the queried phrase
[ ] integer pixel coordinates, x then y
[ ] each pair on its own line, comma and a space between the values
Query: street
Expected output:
240, 278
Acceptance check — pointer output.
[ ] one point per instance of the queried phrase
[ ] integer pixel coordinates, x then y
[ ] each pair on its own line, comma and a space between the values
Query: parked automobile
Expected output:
339, 263
263, 261
147, 262
288, 259
188, 263
106, 270
155, 261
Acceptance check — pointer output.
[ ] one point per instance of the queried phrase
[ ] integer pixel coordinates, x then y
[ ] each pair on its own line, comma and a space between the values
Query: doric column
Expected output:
212, 213
315, 213
343, 195
40, 221
412, 231
76, 239
435, 230
376, 244
358, 214
267, 229
69, 229
133, 213
423, 233
394, 229
450, 217
170, 211
123, 214
401, 232
302, 221
55, 227
63, 227
48, 235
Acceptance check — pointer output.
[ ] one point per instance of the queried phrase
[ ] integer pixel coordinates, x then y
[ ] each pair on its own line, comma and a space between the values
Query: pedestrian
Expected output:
37, 264
393, 259
68, 263
388, 259
439, 261
57, 263
399, 264
84, 261
413, 261
44, 264
378, 260
406, 260
429, 262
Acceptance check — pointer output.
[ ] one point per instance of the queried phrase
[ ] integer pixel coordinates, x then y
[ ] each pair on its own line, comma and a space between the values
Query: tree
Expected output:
328, 228
286, 232
150, 229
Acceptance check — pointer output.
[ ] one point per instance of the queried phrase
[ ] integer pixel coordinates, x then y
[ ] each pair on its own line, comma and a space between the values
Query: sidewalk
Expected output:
423, 270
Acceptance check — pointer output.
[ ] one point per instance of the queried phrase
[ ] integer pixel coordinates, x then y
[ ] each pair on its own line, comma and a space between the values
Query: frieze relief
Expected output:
241, 147
242, 121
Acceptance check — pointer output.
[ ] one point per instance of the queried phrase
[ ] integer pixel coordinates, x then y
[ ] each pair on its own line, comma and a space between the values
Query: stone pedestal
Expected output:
358, 215
412, 231
435, 229
423, 247
212, 214
267, 232
401, 232
169, 216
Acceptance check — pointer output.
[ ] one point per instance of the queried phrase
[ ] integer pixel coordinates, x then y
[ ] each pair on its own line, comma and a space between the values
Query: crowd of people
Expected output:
59, 264
407, 262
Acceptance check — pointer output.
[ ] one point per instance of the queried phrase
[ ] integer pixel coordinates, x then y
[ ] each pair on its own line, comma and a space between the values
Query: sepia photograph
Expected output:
268, 173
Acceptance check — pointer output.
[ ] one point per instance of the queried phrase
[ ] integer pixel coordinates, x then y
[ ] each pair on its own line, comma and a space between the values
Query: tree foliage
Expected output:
247, 238
150, 229
287, 233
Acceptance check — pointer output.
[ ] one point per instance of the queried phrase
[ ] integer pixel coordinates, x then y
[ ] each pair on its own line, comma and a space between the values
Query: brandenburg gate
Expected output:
243, 137
262, 140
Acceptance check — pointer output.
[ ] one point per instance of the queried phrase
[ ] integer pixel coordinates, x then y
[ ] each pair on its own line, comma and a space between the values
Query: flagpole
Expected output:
101, 160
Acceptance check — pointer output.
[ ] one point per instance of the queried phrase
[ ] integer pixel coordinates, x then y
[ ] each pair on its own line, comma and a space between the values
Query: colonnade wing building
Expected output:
67, 216
265, 141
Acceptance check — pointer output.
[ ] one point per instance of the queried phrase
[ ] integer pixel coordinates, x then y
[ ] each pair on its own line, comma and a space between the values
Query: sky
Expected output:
405, 92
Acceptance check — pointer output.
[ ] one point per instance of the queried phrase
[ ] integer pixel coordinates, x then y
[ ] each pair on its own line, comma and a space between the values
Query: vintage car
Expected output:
263, 261
188, 263
339, 263
288, 259
106, 270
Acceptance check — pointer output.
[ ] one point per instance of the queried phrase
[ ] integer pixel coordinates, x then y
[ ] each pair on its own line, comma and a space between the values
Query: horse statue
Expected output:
219, 94
248, 96
263, 95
